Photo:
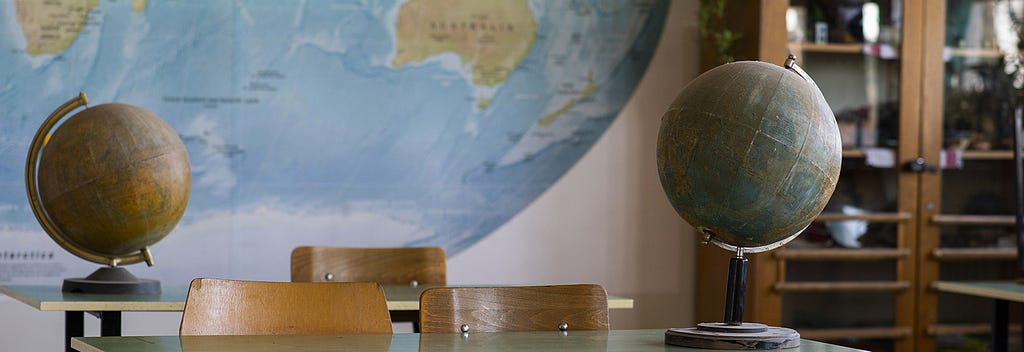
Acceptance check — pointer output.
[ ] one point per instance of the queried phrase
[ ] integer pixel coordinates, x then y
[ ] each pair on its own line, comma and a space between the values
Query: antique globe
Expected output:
109, 182
748, 154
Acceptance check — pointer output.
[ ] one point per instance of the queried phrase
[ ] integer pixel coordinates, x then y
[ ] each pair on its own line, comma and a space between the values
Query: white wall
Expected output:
606, 221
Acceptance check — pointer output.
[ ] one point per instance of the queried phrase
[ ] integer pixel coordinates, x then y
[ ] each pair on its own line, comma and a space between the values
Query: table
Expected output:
1002, 292
403, 301
612, 340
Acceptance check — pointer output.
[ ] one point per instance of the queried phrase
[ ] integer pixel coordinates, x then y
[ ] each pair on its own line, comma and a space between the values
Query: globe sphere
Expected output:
749, 152
113, 179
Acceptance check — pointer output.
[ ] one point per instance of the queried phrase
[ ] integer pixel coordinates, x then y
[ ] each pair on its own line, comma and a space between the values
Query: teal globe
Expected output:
749, 153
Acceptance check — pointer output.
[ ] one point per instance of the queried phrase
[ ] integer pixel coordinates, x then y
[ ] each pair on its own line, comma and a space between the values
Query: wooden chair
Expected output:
514, 308
387, 266
232, 307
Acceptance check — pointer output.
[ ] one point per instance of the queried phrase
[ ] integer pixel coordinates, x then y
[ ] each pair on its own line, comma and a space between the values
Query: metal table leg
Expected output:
1000, 321
110, 323
74, 326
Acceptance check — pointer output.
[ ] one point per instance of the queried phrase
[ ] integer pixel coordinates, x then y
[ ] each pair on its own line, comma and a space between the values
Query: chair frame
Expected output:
238, 307
387, 266
514, 308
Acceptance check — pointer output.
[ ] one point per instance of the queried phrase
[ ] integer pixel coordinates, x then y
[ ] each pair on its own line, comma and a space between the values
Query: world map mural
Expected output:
344, 123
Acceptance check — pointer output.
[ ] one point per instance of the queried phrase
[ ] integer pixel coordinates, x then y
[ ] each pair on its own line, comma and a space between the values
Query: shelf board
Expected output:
953, 254
964, 329
992, 53
987, 155
979, 220
824, 286
853, 153
840, 254
870, 217
884, 332
835, 48
1002, 154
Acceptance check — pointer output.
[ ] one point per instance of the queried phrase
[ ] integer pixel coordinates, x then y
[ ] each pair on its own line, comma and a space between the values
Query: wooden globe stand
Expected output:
733, 333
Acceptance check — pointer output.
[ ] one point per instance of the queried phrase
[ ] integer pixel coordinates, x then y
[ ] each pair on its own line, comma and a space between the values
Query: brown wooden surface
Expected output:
842, 254
968, 329
387, 266
764, 303
932, 68
843, 286
232, 307
912, 96
513, 308
872, 217
960, 219
972, 254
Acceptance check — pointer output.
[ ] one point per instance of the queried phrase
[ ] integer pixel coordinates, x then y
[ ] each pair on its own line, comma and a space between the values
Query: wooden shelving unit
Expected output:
909, 214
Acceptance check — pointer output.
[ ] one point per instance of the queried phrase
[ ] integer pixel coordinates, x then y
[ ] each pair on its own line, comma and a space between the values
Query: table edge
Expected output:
614, 302
10, 292
82, 346
965, 289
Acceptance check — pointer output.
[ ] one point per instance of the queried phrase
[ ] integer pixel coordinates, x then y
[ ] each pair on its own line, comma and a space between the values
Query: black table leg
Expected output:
1001, 319
407, 315
74, 326
110, 323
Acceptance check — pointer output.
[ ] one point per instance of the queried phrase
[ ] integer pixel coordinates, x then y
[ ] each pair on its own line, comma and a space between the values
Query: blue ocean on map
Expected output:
301, 130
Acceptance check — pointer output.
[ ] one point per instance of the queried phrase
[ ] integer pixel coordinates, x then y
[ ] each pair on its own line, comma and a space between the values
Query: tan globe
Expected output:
112, 180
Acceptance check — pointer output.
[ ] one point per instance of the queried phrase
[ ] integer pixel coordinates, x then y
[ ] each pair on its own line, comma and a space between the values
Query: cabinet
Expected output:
926, 190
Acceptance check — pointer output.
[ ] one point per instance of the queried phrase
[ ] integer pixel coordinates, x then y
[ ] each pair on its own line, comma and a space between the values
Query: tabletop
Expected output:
172, 298
613, 340
1005, 290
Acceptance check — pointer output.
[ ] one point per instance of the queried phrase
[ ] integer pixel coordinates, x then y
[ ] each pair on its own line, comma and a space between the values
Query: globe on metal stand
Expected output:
733, 332
110, 181
748, 153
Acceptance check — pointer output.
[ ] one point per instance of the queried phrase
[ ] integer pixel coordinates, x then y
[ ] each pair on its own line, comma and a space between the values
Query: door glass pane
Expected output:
851, 50
977, 234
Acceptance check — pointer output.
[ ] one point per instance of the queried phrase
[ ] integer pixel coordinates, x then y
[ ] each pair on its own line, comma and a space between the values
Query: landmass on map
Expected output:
583, 94
50, 26
490, 38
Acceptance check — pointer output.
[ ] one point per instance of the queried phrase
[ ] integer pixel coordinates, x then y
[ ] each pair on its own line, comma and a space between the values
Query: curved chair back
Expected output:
234, 307
387, 266
514, 308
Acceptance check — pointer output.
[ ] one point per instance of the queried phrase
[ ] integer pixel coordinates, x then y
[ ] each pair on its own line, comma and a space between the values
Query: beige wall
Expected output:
606, 221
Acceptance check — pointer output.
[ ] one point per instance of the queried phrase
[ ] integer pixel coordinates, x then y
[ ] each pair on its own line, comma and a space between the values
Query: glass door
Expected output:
848, 279
969, 230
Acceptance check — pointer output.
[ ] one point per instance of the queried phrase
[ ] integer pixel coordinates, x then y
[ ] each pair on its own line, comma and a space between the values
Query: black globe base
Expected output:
734, 334
722, 336
111, 280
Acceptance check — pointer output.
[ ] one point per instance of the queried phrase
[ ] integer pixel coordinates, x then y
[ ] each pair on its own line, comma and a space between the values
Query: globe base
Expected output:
722, 336
111, 280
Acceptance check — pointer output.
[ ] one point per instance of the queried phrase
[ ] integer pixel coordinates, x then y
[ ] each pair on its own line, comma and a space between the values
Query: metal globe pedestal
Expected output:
111, 280
733, 333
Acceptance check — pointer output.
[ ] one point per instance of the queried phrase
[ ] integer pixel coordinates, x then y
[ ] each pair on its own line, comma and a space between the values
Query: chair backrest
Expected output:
387, 266
233, 307
514, 308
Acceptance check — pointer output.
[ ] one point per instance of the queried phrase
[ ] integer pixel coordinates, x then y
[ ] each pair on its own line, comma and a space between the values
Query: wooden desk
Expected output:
614, 340
402, 301
1002, 292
